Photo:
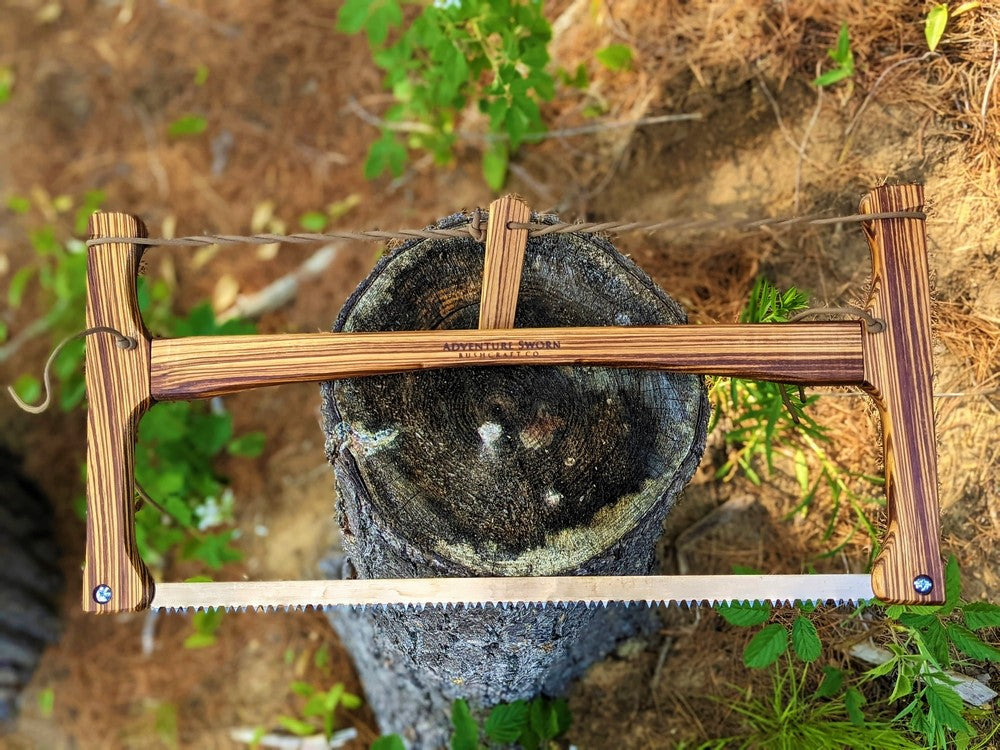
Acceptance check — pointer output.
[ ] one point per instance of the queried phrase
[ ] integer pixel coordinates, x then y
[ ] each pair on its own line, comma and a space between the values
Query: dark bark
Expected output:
501, 471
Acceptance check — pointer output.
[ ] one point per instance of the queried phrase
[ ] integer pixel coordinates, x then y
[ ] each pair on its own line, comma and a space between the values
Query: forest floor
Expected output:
97, 84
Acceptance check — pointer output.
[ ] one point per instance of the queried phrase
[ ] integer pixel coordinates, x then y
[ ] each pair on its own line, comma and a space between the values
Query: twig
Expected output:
874, 88
148, 637
716, 516
248, 736
994, 69
805, 140
355, 108
668, 643
781, 123
283, 290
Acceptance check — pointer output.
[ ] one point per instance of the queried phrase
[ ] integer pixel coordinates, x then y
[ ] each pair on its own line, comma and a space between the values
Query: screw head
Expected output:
103, 594
923, 584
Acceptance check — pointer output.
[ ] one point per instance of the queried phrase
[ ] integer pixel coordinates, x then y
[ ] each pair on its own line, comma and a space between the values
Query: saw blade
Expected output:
449, 593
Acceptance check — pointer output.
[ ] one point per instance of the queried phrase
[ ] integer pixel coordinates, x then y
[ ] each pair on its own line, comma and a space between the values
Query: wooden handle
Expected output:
204, 366
503, 262
898, 372
114, 577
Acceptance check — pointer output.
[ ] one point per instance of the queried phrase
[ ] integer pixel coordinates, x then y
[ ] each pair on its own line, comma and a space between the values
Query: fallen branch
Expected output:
355, 108
283, 290
248, 736
969, 689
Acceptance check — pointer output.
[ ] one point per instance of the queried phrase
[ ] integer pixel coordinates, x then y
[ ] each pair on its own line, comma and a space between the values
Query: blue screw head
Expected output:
103, 594
923, 584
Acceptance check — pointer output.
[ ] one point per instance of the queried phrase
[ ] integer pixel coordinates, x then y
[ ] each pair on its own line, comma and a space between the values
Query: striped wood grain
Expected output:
117, 395
503, 262
898, 370
816, 353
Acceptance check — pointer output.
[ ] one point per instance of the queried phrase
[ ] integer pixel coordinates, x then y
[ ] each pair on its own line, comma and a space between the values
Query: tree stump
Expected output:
501, 471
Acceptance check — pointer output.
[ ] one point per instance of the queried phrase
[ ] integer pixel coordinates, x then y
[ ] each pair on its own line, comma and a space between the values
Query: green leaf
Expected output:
303, 689
765, 647
542, 719
200, 640
3, 331
465, 734
209, 433
297, 726
853, 700
18, 283
249, 445
945, 705
388, 742
832, 76
802, 471
200, 75
805, 639
18, 204
187, 125
7, 78
833, 682
980, 615
28, 388
935, 640
313, 221
387, 153
970, 644
615, 57
563, 717
952, 586
904, 683
495, 159
350, 701
46, 702
937, 20
506, 722
842, 53
745, 615
352, 16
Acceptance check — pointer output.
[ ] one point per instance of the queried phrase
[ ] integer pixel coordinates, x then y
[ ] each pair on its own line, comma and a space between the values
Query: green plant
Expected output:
792, 716
768, 424
319, 713
388, 742
937, 21
843, 58
7, 79
773, 640
178, 442
532, 725
615, 57
187, 125
925, 642
175, 458
491, 52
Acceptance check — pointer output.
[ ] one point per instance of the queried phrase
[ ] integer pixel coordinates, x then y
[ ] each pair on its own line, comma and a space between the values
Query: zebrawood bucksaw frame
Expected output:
893, 365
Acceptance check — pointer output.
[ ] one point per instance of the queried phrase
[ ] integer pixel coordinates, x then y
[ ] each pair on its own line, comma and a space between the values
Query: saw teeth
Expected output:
503, 606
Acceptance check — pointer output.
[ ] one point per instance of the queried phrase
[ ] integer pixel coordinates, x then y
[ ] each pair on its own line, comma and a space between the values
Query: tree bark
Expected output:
501, 471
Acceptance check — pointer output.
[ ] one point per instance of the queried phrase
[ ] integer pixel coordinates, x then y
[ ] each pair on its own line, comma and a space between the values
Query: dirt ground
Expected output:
97, 84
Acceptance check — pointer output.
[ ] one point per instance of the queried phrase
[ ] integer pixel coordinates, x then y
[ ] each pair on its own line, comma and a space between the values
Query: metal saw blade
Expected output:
447, 593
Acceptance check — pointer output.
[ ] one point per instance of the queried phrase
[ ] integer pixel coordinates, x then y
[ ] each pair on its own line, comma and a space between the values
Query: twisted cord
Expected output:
474, 229
121, 340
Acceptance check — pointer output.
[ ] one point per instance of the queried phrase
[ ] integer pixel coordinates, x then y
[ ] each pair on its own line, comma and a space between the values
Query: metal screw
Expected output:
103, 594
923, 584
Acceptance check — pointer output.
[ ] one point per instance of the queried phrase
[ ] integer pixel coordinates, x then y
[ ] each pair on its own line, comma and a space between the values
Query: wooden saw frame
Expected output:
891, 362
